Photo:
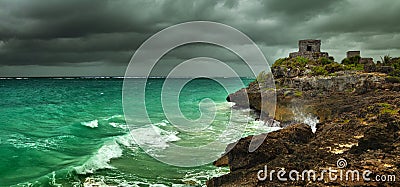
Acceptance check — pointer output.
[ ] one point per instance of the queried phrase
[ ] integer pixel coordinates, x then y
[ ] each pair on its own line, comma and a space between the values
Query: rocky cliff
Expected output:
359, 122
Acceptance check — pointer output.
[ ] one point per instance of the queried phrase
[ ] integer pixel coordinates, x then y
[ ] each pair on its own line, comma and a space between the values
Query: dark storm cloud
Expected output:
77, 32
75, 18
361, 16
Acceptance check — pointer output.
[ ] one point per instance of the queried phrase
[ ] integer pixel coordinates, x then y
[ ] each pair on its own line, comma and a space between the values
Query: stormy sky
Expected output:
98, 38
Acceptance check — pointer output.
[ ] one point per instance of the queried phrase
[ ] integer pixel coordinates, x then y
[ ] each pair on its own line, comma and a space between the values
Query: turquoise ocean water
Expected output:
58, 132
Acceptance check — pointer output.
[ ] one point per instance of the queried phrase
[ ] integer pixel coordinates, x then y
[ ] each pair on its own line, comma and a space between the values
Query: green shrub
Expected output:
356, 67
346, 61
298, 93
395, 73
386, 60
324, 61
333, 67
387, 108
301, 61
298, 62
319, 70
333, 74
279, 62
396, 64
351, 60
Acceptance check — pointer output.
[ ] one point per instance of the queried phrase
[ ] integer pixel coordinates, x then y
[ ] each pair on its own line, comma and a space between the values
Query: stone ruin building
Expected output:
350, 54
310, 49
369, 65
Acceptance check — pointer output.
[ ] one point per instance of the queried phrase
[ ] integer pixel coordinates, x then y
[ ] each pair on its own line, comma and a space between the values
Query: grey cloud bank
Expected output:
89, 38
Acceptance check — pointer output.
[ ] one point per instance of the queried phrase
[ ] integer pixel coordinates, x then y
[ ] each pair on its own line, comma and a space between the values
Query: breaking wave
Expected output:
101, 159
91, 124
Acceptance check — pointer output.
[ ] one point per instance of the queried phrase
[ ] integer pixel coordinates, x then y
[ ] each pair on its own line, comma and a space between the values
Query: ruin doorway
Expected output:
309, 48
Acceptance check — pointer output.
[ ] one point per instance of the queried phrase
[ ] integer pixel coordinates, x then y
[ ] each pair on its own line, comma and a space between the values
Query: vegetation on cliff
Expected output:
300, 66
391, 62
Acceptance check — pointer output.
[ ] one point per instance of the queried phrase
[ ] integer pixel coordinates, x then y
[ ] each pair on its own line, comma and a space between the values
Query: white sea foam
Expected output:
198, 176
161, 124
312, 121
114, 124
101, 159
264, 126
127, 141
118, 125
150, 136
154, 137
308, 119
91, 124
157, 185
112, 149
114, 116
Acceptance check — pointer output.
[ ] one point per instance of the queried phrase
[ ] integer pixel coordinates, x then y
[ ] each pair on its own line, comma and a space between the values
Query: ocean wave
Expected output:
150, 136
145, 136
119, 116
195, 178
100, 181
101, 159
127, 141
119, 125
91, 124
163, 123
112, 149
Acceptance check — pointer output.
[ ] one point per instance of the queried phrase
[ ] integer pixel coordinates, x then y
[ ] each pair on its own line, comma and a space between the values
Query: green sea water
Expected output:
58, 132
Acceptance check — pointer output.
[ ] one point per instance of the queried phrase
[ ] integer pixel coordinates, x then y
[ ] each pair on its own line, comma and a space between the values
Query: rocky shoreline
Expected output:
359, 122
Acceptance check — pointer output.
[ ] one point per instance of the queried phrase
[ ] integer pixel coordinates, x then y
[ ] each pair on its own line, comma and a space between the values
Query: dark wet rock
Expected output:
221, 162
359, 117
276, 144
279, 72
240, 98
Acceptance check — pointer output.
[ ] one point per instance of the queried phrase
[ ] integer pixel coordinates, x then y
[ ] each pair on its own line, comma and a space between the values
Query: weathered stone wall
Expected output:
339, 83
309, 55
352, 53
310, 46
366, 60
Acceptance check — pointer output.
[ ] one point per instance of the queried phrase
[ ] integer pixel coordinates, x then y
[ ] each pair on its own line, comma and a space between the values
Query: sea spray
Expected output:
101, 159
309, 119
